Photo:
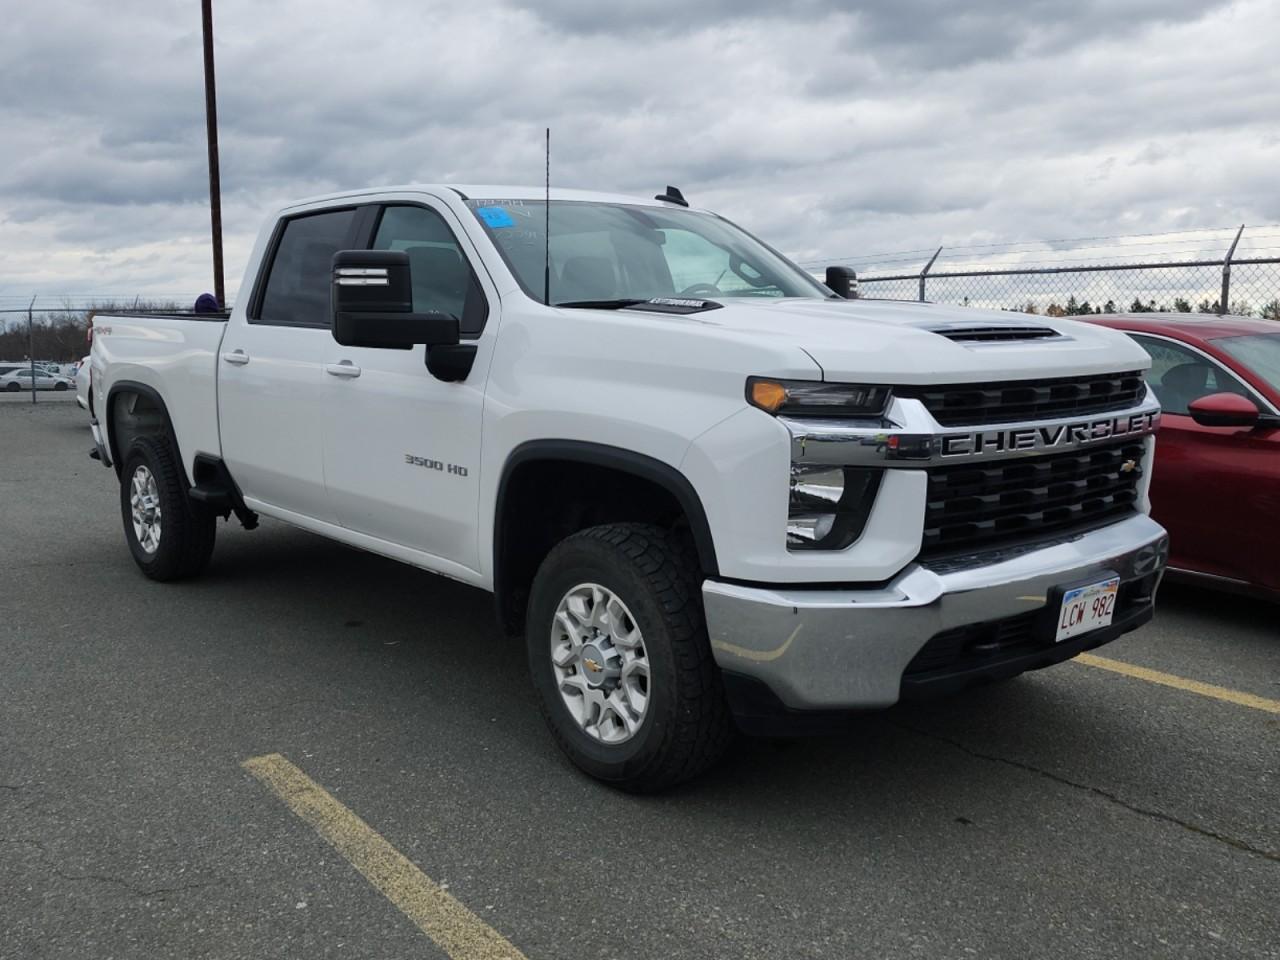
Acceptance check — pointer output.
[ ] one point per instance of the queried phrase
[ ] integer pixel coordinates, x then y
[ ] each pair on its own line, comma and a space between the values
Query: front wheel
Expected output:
59, 386
13, 386
169, 535
621, 661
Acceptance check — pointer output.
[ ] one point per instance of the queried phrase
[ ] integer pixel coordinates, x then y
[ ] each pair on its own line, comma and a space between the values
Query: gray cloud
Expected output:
927, 34
827, 128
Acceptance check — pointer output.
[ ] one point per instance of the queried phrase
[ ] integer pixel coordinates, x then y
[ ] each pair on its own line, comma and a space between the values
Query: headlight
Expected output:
809, 398
829, 505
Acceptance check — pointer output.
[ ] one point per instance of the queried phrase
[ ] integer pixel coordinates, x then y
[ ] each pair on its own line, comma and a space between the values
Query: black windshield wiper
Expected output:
677, 305
600, 304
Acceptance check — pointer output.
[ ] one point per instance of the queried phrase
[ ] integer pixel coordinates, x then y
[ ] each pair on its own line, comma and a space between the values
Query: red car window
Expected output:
1180, 375
1259, 352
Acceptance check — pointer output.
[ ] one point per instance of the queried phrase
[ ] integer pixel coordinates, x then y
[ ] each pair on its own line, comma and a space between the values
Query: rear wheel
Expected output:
621, 661
169, 535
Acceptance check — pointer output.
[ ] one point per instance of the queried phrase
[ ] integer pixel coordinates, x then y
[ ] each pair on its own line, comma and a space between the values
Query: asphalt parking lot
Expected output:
42, 396
1077, 812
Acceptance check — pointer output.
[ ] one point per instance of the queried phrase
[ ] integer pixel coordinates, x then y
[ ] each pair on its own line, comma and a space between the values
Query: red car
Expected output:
1216, 480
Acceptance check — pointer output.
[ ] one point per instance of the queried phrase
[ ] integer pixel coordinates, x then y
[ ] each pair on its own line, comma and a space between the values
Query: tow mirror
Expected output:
372, 302
1224, 410
843, 282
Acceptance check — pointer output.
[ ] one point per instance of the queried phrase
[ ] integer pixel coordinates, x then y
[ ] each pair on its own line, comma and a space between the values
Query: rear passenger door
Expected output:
402, 447
271, 380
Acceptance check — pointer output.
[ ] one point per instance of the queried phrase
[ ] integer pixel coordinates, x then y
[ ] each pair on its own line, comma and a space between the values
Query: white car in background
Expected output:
82, 383
19, 380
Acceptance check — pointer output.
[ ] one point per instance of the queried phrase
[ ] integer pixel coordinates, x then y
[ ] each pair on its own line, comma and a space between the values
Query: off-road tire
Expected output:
687, 725
187, 529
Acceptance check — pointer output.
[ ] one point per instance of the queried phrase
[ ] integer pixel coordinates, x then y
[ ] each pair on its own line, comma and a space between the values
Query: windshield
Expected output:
1260, 352
611, 251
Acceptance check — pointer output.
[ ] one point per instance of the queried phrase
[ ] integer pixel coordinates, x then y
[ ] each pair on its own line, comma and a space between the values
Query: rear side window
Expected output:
297, 288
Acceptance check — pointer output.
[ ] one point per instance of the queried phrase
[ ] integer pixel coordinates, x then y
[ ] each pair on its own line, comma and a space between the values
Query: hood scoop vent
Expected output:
997, 334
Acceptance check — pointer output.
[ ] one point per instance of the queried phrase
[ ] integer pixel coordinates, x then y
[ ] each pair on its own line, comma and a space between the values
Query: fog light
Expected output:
829, 505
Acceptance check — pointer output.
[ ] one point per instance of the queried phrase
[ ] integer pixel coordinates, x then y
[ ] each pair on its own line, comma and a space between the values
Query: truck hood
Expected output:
926, 343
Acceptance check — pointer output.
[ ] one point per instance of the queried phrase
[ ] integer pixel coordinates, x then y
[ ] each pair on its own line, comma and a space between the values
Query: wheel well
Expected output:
135, 412
542, 501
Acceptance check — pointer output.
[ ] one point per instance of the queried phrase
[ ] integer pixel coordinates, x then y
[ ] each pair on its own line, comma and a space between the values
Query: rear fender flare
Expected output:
153, 397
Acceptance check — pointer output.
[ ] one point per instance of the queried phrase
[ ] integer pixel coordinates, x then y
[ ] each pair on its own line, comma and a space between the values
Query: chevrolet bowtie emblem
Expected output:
592, 665
1129, 466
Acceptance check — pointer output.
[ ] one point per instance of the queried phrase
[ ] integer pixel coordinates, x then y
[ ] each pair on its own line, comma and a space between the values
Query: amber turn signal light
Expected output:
768, 395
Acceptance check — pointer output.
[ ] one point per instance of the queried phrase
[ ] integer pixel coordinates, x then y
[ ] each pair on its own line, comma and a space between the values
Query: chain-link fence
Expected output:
1248, 285
41, 346
58, 334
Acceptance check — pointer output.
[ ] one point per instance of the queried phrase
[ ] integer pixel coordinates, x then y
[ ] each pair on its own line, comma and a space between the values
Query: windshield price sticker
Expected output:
495, 217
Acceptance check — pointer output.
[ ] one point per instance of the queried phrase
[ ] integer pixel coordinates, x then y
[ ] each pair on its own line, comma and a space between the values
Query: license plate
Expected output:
1086, 608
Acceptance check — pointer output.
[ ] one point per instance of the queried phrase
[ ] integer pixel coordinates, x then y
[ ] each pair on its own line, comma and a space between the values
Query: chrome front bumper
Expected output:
841, 649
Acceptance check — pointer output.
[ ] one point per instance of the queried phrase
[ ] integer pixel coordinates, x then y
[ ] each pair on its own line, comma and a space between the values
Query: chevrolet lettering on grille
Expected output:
979, 442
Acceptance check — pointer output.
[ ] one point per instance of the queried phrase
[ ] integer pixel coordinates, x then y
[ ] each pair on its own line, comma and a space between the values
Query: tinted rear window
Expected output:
297, 291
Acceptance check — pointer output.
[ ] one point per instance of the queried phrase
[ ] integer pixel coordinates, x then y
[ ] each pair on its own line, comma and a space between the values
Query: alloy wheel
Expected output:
599, 661
144, 503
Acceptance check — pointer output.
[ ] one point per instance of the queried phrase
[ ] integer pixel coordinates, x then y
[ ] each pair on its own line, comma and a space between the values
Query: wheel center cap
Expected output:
599, 664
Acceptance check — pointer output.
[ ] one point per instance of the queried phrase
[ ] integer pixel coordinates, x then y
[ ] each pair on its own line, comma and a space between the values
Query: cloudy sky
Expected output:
832, 129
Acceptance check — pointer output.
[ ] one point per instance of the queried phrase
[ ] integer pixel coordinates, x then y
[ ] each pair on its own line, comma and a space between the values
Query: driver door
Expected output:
402, 448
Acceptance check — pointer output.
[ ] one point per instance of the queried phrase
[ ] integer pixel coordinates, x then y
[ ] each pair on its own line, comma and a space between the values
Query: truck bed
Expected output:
173, 354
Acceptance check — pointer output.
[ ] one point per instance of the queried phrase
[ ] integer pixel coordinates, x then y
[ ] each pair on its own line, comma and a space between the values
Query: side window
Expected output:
297, 288
442, 277
1180, 376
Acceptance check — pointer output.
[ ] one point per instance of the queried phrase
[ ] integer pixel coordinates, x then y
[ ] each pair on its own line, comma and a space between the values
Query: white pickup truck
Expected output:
708, 490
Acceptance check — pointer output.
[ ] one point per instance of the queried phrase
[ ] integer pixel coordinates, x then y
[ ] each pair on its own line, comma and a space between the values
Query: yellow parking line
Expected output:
1181, 683
454, 928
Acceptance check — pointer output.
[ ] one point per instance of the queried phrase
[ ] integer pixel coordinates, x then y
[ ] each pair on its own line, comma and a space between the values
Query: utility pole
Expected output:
211, 125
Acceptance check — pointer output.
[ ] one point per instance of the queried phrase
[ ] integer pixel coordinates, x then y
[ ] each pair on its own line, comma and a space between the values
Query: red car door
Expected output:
1258, 470
1215, 489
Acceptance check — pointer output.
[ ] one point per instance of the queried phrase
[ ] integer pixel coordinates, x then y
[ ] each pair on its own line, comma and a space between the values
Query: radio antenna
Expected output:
546, 276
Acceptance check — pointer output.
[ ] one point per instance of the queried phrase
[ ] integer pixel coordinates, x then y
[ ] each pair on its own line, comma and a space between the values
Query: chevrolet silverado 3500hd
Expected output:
707, 490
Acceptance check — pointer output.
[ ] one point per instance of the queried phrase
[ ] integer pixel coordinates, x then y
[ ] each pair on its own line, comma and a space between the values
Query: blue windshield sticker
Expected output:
495, 217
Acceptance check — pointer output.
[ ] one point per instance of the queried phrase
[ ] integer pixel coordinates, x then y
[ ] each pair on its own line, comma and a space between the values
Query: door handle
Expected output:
344, 368
237, 357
